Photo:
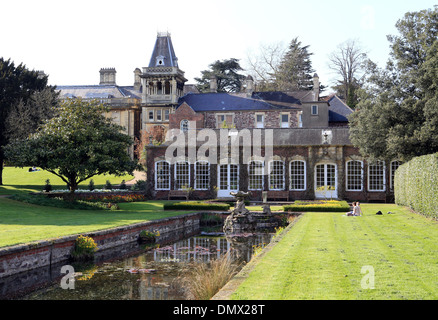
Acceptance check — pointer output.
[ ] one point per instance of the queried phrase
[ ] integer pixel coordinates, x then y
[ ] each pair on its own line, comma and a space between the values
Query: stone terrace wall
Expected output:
20, 258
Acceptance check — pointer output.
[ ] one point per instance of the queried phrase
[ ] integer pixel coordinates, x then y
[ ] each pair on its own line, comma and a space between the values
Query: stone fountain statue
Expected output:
239, 208
241, 219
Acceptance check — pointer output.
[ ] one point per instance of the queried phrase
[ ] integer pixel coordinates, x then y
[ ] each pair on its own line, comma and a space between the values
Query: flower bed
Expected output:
115, 195
328, 206
196, 205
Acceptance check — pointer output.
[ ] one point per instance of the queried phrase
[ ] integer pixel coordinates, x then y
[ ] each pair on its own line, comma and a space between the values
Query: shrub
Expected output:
108, 185
416, 185
196, 205
328, 206
48, 186
115, 197
148, 236
123, 185
91, 185
139, 185
42, 200
84, 248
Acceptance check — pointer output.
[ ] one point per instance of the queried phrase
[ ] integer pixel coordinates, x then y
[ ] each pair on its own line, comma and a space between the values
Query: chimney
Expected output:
41, 74
137, 80
213, 84
249, 86
107, 76
316, 87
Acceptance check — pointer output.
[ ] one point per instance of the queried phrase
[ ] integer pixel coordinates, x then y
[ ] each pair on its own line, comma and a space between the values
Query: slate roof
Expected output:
227, 102
98, 92
164, 48
285, 97
338, 110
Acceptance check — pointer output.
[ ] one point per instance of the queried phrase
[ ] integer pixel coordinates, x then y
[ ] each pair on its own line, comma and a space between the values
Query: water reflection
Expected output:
153, 274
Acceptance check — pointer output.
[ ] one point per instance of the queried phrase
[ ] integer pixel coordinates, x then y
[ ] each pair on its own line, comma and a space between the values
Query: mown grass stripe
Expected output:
323, 254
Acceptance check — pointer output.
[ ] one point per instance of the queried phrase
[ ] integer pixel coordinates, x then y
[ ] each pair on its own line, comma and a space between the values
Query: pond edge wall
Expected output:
24, 257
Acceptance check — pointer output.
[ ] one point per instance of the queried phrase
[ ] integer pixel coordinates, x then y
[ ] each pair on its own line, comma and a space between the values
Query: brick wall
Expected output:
246, 119
184, 112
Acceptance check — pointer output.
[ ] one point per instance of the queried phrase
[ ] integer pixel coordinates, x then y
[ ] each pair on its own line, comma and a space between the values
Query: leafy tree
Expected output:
17, 85
227, 76
397, 116
75, 145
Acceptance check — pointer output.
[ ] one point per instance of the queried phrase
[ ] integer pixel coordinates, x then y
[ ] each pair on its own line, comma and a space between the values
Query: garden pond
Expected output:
133, 271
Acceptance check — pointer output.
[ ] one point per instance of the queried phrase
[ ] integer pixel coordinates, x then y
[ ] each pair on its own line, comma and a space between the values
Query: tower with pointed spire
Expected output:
162, 82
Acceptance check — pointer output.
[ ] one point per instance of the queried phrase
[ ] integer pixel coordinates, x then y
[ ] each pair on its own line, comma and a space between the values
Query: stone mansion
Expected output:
310, 153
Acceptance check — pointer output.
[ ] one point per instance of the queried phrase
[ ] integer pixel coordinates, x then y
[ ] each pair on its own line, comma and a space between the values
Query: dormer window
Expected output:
160, 61
314, 110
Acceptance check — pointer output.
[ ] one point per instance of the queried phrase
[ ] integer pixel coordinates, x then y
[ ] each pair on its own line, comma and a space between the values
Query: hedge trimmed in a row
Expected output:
42, 200
323, 206
416, 185
196, 205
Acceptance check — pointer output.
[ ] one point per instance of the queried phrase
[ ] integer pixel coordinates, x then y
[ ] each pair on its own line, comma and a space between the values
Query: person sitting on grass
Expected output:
351, 213
357, 211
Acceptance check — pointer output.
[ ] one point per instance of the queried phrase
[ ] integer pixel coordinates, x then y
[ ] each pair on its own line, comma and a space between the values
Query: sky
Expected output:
72, 40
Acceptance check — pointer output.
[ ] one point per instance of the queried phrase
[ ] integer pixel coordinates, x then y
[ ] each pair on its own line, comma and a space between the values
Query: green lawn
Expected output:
19, 180
323, 254
22, 223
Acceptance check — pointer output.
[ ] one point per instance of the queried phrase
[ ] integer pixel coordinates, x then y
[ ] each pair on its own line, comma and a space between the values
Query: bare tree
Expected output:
348, 64
264, 66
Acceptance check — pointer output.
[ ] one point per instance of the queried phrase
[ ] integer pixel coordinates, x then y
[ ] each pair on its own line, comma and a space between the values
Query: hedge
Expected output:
42, 200
416, 185
323, 206
196, 205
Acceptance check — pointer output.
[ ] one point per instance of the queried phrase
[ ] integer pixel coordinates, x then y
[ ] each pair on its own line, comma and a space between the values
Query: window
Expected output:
166, 114
260, 121
202, 175
298, 175
162, 175
255, 173
394, 166
284, 120
314, 110
167, 87
376, 176
158, 115
159, 88
354, 175
184, 125
225, 121
182, 175
276, 175
151, 115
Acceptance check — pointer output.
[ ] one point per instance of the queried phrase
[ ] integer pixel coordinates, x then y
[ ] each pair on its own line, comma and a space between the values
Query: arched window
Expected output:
255, 175
354, 179
276, 175
182, 175
202, 175
162, 175
298, 175
167, 87
184, 125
